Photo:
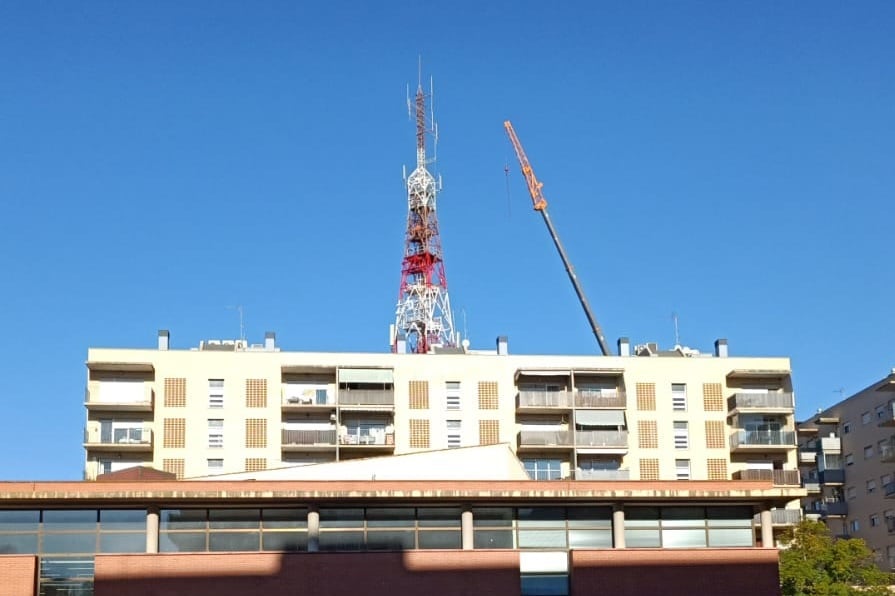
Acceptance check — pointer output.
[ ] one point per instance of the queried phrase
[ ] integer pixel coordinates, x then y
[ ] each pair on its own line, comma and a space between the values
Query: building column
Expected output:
466, 530
313, 529
767, 527
152, 514
618, 526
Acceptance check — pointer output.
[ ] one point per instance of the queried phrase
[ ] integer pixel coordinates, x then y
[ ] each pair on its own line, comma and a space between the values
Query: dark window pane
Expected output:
729, 516
285, 541
234, 518
447, 539
284, 518
493, 539
541, 517
19, 521
642, 517
542, 538
642, 538
683, 516
490, 517
18, 544
60, 520
234, 541
69, 543
341, 518
590, 517
390, 517
182, 542
440, 517
182, 519
122, 519
590, 538
386, 540
330, 541
124, 542
545, 585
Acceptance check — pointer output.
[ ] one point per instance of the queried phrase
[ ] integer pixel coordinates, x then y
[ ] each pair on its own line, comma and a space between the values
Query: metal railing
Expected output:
590, 399
770, 400
811, 486
776, 477
601, 438
831, 476
374, 439
546, 438
292, 436
366, 397
771, 438
135, 435
781, 517
602, 474
544, 399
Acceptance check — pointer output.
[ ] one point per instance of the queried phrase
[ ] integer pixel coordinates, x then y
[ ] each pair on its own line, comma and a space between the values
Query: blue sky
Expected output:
161, 162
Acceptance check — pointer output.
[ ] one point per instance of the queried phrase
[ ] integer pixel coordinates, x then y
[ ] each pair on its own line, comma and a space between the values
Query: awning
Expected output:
298, 369
600, 417
526, 372
121, 366
757, 373
599, 372
366, 375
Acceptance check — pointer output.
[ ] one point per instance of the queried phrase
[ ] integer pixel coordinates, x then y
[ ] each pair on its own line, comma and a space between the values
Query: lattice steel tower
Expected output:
423, 315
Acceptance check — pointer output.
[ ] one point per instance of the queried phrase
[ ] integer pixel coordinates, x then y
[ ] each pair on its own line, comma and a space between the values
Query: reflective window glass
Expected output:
683, 538
490, 517
642, 538
234, 518
341, 518
284, 541
62, 520
493, 539
390, 517
391, 540
234, 541
447, 539
70, 543
18, 544
440, 517
541, 517
590, 517
730, 537
590, 539
19, 521
182, 519
284, 518
182, 542
542, 539
122, 519
336, 541
122, 542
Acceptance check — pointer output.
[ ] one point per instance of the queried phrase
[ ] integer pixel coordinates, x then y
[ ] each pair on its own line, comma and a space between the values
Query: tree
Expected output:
814, 563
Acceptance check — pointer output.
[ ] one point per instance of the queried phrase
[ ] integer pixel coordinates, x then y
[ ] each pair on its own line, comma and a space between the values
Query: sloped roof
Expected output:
141, 473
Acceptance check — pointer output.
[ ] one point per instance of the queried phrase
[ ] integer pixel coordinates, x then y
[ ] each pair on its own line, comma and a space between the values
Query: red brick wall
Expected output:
706, 572
18, 575
458, 573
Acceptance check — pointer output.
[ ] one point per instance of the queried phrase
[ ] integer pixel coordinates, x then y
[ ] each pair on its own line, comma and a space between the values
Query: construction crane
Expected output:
540, 204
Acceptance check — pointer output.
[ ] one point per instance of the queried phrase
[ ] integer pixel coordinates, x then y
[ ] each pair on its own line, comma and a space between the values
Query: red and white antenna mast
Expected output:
423, 315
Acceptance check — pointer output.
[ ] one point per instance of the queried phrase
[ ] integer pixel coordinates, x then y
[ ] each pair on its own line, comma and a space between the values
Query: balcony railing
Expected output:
602, 474
760, 438
590, 399
118, 436
367, 397
782, 517
887, 416
807, 457
364, 440
889, 489
771, 400
545, 438
887, 452
601, 438
308, 437
811, 486
834, 509
776, 477
831, 476
545, 399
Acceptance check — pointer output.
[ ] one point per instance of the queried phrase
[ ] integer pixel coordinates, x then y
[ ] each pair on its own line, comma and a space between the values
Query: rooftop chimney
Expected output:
270, 341
624, 346
503, 345
164, 339
401, 344
721, 348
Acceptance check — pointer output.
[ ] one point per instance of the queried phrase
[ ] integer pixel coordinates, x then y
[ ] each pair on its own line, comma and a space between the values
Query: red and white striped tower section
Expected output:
423, 314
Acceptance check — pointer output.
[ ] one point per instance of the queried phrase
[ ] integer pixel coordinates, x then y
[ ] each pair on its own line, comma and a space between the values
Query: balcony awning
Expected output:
599, 372
600, 417
121, 366
527, 372
757, 373
366, 375
298, 369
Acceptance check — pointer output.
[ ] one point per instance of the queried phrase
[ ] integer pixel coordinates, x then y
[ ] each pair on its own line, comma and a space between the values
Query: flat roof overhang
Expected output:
758, 373
121, 366
298, 369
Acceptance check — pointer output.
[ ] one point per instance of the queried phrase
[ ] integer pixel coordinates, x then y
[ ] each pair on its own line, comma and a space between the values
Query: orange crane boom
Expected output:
540, 204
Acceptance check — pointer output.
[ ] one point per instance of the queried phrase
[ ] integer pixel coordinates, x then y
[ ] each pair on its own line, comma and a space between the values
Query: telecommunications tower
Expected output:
423, 314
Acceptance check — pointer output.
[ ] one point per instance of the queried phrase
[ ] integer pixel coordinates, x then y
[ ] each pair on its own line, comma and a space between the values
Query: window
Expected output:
543, 469
681, 435
452, 395
846, 428
871, 486
880, 411
215, 432
682, 469
868, 452
874, 520
849, 459
885, 479
215, 466
544, 584
865, 418
854, 525
215, 393
688, 527
678, 396
851, 492
454, 432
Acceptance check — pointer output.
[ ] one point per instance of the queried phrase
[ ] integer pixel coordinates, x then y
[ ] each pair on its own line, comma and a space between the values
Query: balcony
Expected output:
384, 441
807, 457
776, 477
292, 438
130, 439
377, 399
590, 399
887, 416
831, 476
307, 398
543, 400
772, 401
601, 438
887, 452
138, 399
812, 487
834, 509
762, 440
545, 438
602, 474
889, 489
781, 517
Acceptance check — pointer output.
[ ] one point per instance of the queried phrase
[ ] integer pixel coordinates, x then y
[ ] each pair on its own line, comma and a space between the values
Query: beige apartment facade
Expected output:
847, 459
640, 415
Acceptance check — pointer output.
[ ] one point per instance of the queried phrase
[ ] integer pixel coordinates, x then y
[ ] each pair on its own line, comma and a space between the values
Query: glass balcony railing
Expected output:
763, 438
545, 438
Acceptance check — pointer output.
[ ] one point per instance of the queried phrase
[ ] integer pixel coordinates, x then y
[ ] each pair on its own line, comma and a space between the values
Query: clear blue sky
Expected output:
161, 161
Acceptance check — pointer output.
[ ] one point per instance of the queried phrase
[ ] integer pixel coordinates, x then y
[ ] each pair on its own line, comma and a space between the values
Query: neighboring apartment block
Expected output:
847, 458
641, 415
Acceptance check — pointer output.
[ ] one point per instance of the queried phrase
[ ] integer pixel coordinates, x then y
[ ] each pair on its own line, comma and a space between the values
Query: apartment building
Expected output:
847, 458
643, 414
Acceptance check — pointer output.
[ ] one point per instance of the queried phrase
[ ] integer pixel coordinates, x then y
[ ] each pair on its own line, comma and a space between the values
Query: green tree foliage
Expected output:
815, 563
